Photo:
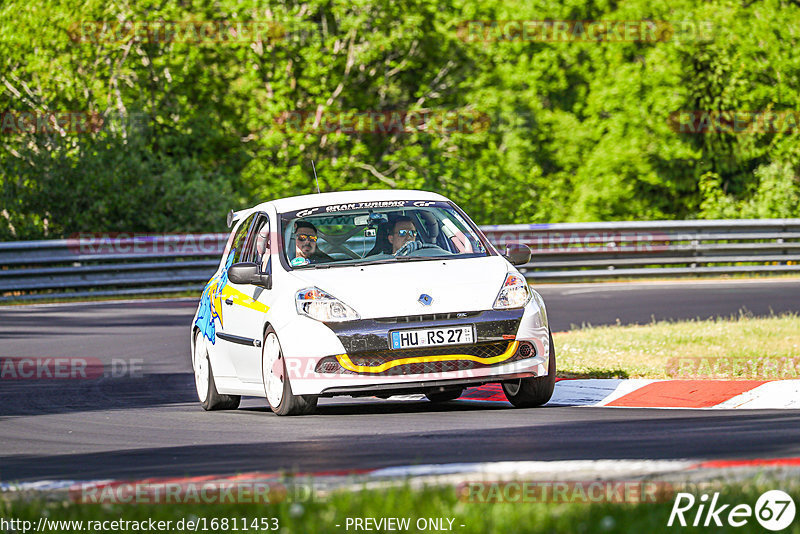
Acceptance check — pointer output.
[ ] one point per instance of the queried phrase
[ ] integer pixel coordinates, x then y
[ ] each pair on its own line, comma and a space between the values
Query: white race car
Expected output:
362, 293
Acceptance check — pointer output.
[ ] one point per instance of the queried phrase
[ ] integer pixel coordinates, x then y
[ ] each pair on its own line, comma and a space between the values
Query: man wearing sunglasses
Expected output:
403, 236
305, 243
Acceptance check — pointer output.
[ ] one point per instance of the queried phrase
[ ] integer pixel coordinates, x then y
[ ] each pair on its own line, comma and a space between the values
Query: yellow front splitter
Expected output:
347, 363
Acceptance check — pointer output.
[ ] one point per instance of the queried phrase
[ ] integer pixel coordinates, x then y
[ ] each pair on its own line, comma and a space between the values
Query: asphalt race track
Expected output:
143, 419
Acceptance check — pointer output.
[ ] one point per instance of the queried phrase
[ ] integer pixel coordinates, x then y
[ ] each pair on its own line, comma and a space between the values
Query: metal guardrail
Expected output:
571, 251
108, 264
130, 264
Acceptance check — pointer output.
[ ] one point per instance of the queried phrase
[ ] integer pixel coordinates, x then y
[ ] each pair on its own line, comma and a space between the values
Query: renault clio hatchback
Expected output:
366, 293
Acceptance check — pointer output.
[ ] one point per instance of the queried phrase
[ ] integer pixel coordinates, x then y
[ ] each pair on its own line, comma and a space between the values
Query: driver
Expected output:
403, 236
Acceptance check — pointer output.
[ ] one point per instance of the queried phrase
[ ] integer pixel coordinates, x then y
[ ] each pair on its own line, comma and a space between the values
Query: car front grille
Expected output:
373, 360
426, 317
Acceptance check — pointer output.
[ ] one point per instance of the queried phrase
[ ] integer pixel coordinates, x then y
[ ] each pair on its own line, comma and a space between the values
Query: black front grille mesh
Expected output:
330, 365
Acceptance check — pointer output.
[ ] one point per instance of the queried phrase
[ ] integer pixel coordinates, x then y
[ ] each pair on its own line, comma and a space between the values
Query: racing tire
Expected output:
210, 398
534, 391
277, 388
444, 396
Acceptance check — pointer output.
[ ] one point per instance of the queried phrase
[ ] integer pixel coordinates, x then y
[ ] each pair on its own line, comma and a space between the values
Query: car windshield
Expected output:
363, 233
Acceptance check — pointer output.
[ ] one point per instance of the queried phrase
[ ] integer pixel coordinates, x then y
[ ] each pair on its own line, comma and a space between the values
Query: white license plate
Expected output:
427, 337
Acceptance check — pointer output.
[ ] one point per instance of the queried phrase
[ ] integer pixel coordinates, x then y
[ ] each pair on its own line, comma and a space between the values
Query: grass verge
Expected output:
444, 504
742, 347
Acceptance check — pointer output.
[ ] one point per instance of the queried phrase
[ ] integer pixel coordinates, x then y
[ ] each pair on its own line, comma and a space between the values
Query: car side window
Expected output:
240, 239
257, 246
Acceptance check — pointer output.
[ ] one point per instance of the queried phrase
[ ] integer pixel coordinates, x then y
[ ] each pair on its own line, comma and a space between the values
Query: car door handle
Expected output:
229, 301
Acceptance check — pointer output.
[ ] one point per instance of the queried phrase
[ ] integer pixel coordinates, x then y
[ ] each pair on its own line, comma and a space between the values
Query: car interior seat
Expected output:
382, 245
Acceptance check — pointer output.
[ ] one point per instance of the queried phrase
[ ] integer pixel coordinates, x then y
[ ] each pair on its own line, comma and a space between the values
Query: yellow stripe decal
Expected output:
243, 299
344, 360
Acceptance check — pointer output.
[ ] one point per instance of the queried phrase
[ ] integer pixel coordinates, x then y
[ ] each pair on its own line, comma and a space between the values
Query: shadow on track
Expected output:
58, 396
371, 406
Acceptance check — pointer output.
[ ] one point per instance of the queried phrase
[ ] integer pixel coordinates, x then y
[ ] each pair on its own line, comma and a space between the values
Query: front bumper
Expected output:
508, 344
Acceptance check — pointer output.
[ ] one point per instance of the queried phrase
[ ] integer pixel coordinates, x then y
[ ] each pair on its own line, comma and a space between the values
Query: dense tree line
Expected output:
164, 132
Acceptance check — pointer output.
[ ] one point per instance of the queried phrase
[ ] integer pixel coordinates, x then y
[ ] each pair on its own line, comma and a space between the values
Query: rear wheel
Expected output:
276, 380
210, 399
444, 396
534, 391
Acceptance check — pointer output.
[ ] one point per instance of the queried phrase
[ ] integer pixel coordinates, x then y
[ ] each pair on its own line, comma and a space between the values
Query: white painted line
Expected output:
772, 395
39, 485
539, 469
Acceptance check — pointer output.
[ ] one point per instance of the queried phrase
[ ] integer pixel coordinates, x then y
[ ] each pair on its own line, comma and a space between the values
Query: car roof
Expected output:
323, 199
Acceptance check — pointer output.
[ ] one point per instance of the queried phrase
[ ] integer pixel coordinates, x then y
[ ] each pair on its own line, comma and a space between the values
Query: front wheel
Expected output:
533, 391
276, 380
210, 399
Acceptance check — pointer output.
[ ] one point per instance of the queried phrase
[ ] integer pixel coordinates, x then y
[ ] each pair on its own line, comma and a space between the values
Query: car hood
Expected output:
468, 284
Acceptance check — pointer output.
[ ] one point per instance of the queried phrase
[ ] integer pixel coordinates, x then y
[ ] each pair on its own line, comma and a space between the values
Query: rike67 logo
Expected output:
774, 510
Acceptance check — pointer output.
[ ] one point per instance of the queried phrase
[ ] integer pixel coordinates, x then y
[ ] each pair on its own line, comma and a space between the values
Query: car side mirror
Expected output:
248, 273
517, 254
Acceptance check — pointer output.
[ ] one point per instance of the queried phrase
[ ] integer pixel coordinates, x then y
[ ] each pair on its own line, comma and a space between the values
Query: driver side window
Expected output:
257, 246
240, 240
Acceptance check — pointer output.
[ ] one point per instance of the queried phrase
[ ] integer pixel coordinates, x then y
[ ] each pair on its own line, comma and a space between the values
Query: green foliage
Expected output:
565, 131
776, 194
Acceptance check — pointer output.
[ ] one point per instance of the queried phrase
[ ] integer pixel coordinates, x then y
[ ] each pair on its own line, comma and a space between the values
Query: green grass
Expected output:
322, 516
743, 347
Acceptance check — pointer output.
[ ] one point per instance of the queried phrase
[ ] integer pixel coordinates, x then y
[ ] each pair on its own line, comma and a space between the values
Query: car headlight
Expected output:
321, 306
515, 293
